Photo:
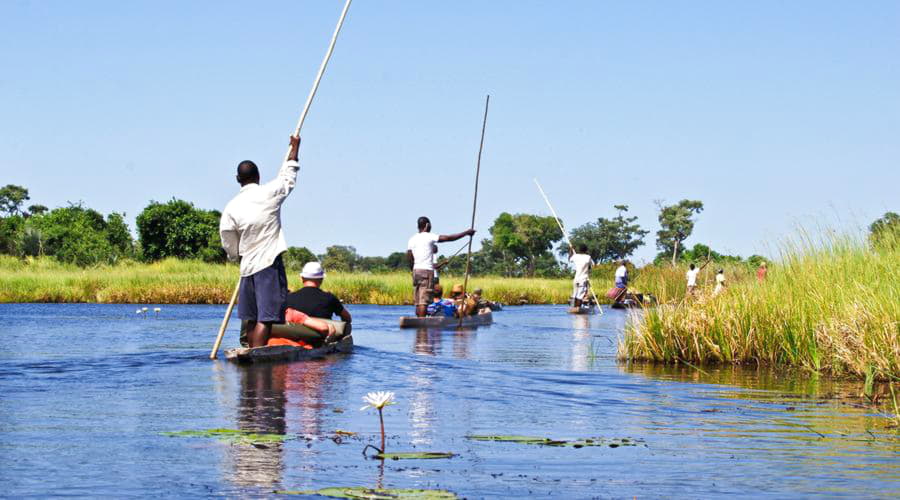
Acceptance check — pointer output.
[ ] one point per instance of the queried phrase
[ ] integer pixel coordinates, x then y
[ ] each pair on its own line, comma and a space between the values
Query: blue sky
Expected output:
771, 113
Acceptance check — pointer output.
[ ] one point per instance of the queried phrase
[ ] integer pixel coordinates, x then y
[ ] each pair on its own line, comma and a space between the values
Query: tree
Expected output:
608, 239
526, 238
81, 236
37, 210
11, 199
885, 231
340, 258
677, 224
296, 257
11, 234
178, 229
396, 261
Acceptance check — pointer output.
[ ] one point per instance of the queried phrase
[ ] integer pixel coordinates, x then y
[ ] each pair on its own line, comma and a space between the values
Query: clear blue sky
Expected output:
770, 112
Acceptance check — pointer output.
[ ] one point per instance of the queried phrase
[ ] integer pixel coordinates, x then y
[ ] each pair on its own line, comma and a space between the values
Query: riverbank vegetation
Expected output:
830, 306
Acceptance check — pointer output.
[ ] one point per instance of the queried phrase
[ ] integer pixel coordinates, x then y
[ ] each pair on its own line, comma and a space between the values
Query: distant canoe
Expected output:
445, 321
634, 300
292, 353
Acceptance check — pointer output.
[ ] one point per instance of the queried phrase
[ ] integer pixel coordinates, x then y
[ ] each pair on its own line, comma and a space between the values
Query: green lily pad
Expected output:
359, 492
426, 455
573, 443
234, 436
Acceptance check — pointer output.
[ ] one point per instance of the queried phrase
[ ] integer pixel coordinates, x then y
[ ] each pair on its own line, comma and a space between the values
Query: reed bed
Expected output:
828, 306
173, 281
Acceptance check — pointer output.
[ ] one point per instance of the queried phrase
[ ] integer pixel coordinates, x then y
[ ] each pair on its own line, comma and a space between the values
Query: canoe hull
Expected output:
445, 322
287, 353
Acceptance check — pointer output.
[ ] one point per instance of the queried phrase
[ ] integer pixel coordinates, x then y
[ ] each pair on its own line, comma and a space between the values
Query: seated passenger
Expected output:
315, 302
465, 305
482, 305
439, 305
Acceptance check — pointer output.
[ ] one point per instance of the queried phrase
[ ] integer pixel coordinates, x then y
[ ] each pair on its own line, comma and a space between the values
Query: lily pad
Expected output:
340, 432
426, 455
359, 492
573, 443
234, 436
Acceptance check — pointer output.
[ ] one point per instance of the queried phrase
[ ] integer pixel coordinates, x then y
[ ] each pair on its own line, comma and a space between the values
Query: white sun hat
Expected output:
312, 271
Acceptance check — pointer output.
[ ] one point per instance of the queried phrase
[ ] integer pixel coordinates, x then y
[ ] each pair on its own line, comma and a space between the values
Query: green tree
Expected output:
37, 210
676, 225
340, 258
608, 239
178, 229
396, 261
525, 238
296, 257
81, 236
11, 229
885, 231
11, 199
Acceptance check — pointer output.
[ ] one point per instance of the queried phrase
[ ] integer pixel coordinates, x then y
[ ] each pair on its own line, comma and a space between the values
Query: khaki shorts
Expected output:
423, 286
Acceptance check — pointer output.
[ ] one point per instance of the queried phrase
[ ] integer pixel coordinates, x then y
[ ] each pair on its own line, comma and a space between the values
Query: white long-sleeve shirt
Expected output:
251, 222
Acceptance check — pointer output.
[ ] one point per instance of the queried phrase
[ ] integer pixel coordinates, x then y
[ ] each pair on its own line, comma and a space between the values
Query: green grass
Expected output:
828, 306
174, 281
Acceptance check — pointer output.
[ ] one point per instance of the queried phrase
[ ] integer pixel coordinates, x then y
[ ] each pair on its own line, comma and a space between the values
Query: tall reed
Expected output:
829, 305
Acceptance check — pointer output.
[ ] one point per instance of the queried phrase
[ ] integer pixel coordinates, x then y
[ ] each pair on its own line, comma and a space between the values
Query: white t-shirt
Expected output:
692, 276
720, 278
582, 264
621, 271
422, 246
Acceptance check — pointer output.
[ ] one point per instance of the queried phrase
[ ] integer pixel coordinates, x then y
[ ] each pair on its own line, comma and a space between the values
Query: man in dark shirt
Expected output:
314, 301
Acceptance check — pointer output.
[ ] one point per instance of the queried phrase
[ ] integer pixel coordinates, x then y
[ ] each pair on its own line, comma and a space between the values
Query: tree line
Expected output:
517, 244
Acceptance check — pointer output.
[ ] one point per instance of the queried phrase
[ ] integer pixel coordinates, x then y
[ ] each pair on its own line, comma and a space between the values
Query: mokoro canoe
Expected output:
291, 353
445, 321
287, 352
633, 300
582, 310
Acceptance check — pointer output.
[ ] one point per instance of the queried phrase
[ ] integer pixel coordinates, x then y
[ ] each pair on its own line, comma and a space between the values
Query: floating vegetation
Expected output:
234, 436
340, 432
573, 443
360, 492
424, 455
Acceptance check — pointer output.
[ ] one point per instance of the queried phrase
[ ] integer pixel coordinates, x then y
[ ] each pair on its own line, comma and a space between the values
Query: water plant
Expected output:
544, 441
378, 400
233, 436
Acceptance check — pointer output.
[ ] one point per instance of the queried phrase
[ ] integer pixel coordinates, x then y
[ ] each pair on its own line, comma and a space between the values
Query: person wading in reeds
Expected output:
250, 229
420, 252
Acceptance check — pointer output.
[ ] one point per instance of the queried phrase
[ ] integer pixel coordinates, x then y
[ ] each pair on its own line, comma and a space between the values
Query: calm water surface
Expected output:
87, 390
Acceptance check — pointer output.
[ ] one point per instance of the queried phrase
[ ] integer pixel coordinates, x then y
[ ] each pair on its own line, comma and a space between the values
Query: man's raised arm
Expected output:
229, 235
453, 237
287, 175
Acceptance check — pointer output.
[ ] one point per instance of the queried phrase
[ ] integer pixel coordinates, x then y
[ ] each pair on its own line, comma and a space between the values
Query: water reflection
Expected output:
277, 398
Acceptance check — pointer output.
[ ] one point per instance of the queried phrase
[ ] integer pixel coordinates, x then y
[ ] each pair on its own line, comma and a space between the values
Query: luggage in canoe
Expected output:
446, 321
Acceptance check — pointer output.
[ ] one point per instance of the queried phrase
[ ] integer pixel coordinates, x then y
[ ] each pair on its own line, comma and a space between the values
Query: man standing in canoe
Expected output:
250, 229
581, 284
420, 252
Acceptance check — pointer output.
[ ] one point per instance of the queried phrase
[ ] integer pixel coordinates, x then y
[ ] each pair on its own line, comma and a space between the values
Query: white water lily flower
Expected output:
144, 309
138, 311
378, 400
156, 309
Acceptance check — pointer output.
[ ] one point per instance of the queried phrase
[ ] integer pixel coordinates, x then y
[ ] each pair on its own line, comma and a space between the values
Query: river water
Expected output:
88, 391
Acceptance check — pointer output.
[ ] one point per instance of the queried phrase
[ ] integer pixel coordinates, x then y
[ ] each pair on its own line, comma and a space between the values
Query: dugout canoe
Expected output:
343, 344
582, 310
482, 319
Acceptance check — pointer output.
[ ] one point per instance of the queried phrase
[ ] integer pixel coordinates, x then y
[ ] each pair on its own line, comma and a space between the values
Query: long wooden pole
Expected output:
566, 236
309, 99
487, 102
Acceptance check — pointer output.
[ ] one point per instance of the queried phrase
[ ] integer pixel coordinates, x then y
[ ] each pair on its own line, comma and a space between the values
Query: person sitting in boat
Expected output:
465, 305
617, 292
481, 304
581, 284
314, 301
439, 305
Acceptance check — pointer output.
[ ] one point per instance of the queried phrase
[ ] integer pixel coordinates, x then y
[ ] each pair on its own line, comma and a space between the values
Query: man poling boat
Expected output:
250, 229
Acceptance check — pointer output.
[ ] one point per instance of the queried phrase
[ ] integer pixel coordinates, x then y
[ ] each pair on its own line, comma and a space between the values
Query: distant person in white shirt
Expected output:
420, 252
720, 282
691, 276
617, 292
250, 229
581, 283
